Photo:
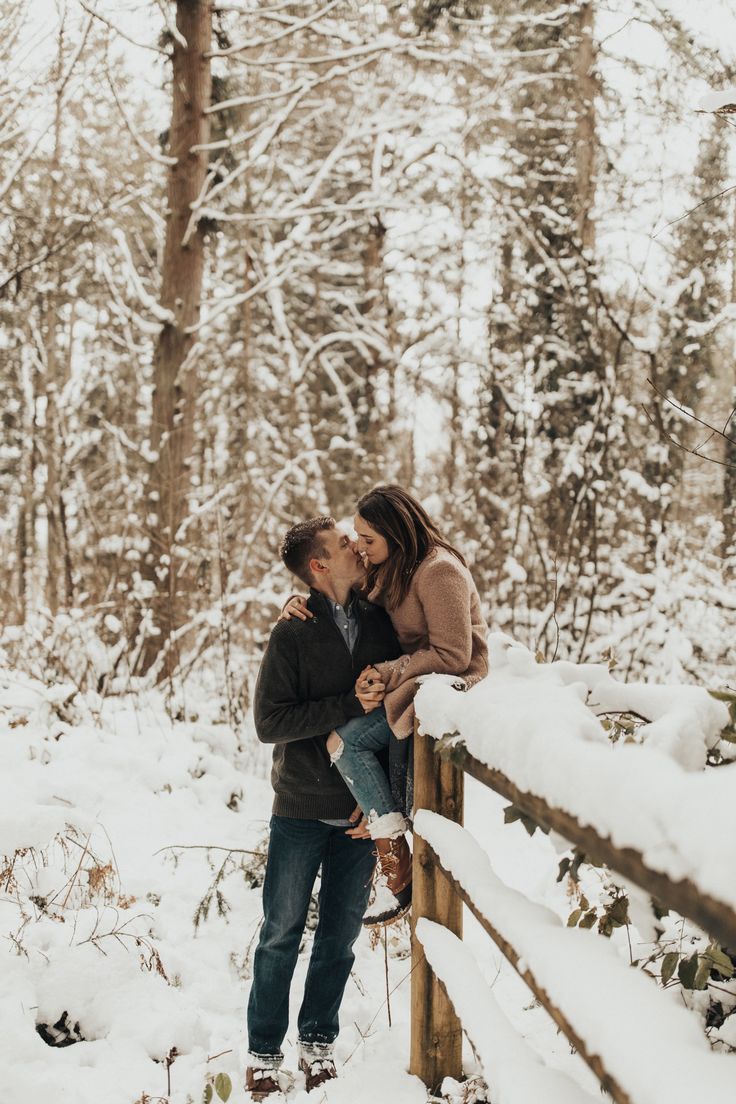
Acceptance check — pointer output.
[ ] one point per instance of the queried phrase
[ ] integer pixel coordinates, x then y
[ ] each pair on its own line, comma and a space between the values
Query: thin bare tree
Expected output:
176, 353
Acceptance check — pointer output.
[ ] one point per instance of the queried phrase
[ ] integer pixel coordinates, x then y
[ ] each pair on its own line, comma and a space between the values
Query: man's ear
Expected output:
317, 568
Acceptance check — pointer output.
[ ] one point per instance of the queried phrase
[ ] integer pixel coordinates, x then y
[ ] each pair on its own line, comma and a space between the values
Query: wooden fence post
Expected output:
436, 1032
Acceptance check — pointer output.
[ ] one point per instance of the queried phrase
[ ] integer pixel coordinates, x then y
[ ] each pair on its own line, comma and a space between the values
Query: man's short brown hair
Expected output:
303, 543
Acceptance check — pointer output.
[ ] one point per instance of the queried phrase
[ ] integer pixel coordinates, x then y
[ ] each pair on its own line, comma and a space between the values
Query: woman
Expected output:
428, 592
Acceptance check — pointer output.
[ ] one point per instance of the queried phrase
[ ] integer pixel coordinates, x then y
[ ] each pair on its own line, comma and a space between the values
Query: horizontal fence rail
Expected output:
607, 1081
683, 896
436, 1030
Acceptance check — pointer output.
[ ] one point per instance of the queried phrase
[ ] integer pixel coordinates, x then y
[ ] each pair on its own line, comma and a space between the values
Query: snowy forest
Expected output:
254, 260
482, 250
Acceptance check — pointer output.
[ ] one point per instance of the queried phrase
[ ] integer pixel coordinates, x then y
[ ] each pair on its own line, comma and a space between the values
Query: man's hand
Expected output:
360, 825
369, 689
296, 608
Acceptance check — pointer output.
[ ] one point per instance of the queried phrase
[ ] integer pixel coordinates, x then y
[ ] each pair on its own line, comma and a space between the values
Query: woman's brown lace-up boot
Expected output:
392, 887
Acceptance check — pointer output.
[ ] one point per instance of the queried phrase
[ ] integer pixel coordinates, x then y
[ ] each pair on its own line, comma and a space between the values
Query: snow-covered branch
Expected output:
361, 339
135, 284
257, 150
293, 28
389, 43
146, 147
220, 306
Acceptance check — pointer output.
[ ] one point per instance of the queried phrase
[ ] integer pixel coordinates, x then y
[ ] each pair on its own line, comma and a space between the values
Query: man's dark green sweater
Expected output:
305, 689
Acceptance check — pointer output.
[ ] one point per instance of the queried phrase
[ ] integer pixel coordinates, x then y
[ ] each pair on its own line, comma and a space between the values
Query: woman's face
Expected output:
371, 545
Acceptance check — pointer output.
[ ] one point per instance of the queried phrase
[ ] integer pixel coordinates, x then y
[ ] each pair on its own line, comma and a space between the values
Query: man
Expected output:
306, 687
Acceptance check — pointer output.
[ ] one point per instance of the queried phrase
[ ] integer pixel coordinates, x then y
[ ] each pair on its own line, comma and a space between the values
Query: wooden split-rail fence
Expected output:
436, 1030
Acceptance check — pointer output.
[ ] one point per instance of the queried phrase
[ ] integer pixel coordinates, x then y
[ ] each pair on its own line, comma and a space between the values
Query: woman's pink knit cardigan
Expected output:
441, 630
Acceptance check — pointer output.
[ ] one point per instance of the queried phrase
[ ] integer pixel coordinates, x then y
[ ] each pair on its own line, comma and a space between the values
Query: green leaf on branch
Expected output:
208, 1094
729, 698
588, 920
619, 911
723, 695
702, 973
719, 961
512, 813
687, 970
574, 917
223, 1086
668, 966
605, 927
571, 865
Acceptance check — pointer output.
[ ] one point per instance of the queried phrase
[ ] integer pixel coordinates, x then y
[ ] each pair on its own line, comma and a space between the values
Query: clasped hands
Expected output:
370, 689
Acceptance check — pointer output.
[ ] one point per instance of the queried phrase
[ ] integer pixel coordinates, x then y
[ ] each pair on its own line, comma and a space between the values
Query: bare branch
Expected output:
290, 213
23, 159
74, 59
237, 300
149, 151
708, 199
304, 84
296, 26
688, 413
378, 47
113, 27
115, 202
258, 149
713, 431
171, 26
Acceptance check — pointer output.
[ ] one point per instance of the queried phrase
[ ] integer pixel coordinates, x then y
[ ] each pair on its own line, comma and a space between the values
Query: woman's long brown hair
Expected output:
410, 534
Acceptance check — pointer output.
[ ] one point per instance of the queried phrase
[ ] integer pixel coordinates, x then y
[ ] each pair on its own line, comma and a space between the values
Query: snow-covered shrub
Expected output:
90, 949
83, 648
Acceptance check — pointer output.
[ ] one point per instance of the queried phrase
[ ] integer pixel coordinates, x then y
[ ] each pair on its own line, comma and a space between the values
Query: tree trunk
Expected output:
58, 588
52, 490
174, 365
729, 492
585, 128
728, 510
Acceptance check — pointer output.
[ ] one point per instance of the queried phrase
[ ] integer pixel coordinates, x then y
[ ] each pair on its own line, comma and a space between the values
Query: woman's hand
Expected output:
296, 608
368, 677
360, 825
370, 689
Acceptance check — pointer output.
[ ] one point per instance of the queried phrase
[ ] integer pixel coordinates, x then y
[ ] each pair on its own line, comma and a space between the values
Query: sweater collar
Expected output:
318, 602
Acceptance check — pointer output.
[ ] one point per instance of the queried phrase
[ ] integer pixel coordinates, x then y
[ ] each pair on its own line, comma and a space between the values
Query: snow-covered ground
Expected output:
120, 827
98, 910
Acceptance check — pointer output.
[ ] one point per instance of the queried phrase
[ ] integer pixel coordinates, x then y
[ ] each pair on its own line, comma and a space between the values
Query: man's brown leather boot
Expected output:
317, 1071
261, 1083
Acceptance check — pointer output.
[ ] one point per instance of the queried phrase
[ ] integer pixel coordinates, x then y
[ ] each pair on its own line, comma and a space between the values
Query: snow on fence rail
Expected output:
531, 732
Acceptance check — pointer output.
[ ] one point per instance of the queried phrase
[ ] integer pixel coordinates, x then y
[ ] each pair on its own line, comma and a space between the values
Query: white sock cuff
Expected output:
388, 826
315, 1051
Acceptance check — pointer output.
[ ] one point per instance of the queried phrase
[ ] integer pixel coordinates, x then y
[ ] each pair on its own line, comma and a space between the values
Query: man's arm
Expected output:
281, 716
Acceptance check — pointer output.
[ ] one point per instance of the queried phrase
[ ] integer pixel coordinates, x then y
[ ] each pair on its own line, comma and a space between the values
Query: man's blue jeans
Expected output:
296, 851
366, 779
